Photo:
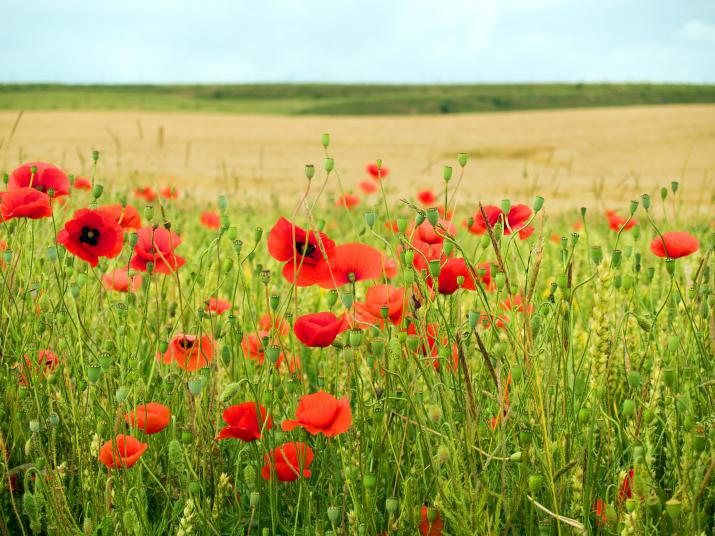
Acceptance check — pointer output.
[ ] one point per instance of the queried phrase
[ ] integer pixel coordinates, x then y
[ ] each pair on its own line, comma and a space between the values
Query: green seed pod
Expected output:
434, 267
505, 206
402, 224
674, 186
229, 392
254, 499
121, 394
629, 408
536, 482
516, 457
93, 373
447, 173
274, 302
370, 217
420, 218
635, 380
670, 266
273, 353
616, 256
195, 387
633, 207
391, 505
669, 377
462, 158
334, 513
369, 481
596, 255
584, 415
432, 216
413, 343
34, 426
673, 508
355, 337
517, 373
627, 282
96, 191
538, 203
329, 164
500, 280
645, 201
347, 299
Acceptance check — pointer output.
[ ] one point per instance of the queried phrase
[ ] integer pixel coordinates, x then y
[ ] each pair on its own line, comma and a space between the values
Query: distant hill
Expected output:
322, 99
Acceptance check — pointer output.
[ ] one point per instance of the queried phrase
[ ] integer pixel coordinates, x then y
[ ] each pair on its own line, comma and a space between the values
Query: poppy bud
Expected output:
434, 267
419, 218
674, 186
633, 207
535, 483
635, 379
500, 280
629, 408
391, 505
369, 481
670, 266
443, 453
370, 218
433, 216
669, 377
505, 206
562, 281
645, 200
435, 413
538, 203
34, 426
329, 164
5, 178
195, 387
334, 514
97, 191
517, 373
462, 158
516, 457
121, 394
401, 224
347, 299
447, 173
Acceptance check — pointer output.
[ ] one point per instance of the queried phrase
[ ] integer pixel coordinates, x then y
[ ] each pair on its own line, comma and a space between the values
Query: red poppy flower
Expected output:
368, 187
318, 330
299, 249
626, 489
427, 197
210, 220
389, 267
45, 363
253, 348
288, 462
91, 234
485, 319
189, 351
347, 201
600, 510
151, 418
321, 413
170, 192
484, 271
430, 528
265, 323
616, 222
515, 303
128, 217
425, 252
515, 220
449, 214
426, 232
447, 282
217, 305
369, 313
82, 184
242, 422
674, 244
119, 280
123, 451
25, 203
48, 177
147, 193
156, 246
376, 173
349, 263
427, 334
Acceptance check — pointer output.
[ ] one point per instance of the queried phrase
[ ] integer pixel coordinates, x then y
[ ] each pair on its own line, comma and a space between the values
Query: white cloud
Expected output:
698, 31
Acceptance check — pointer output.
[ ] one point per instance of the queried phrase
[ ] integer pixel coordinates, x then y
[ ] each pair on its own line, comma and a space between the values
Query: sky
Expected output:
390, 41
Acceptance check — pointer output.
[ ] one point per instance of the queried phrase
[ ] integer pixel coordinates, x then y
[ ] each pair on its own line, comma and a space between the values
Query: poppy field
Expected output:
351, 362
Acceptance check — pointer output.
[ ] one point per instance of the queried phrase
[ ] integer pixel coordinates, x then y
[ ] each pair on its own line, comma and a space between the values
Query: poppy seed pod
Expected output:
93, 373
645, 201
355, 337
462, 158
420, 218
434, 267
347, 299
447, 173
195, 387
391, 505
121, 394
674, 186
34, 426
325, 140
254, 499
670, 266
538, 203
334, 514
633, 207
369, 481
500, 280
402, 224
370, 217
309, 171
506, 206
535, 483
433, 216
329, 164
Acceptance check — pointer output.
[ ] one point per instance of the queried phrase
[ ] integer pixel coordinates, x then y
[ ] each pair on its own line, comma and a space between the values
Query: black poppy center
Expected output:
305, 249
89, 236
186, 344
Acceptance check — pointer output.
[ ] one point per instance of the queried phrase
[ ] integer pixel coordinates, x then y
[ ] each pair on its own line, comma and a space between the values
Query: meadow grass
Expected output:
569, 391
324, 99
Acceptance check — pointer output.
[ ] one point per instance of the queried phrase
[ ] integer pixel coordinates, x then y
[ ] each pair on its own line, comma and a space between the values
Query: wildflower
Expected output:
91, 234
376, 172
347, 201
349, 263
616, 222
46, 177
452, 270
120, 281
674, 244
242, 422
126, 216
189, 351
169, 192
265, 323
210, 220
321, 413
319, 330
156, 246
146, 193
25, 202
515, 221
426, 197
81, 183
151, 418
430, 528
288, 462
124, 451
368, 187
301, 251
370, 312
46, 362
217, 305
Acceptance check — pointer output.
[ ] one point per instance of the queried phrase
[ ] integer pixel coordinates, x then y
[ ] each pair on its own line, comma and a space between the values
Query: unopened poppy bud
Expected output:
629, 408
369, 481
505, 206
355, 337
616, 256
462, 158
596, 255
670, 266
121, 394
443, 453
516, 457
434, 267
674, 186
334, 514
633, 207
325, 139
433, 216
370, 217
97, 191
435, 413
419, 218
645, 201
635, 379
402, 224
538, 203
95, 156
535, 483
257, 234
347, 299
500, 280
34, 426
5, 178
628, 282
447, 173
329, 164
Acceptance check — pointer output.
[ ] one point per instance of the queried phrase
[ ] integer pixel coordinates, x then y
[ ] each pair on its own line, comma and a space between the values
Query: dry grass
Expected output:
569, 156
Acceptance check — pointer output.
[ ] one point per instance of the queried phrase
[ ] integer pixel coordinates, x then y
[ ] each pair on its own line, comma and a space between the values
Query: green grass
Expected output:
346, 99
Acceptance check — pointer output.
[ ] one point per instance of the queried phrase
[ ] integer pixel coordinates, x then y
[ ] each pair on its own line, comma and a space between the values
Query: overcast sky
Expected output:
427, 41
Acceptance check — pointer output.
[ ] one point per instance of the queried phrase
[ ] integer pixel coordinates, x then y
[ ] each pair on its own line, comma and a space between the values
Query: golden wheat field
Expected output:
596, 156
